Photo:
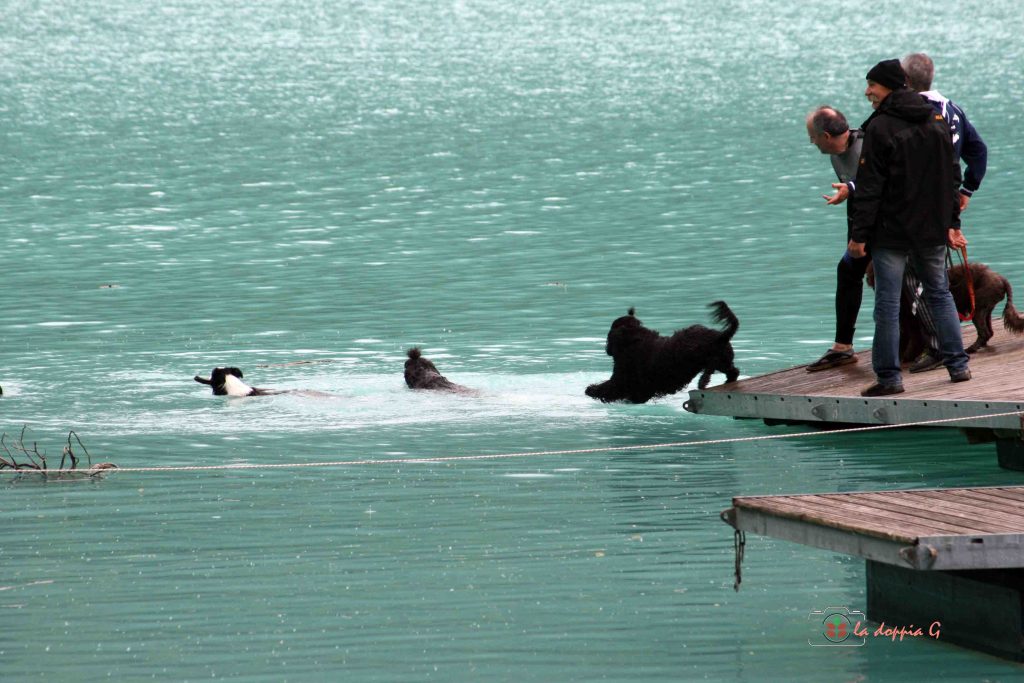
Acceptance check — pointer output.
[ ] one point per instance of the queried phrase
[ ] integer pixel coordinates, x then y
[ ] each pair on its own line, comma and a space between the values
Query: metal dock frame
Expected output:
832, 397
955, 556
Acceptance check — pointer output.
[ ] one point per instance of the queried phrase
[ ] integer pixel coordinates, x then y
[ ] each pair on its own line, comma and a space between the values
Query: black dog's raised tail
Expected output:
723, 314
414, 353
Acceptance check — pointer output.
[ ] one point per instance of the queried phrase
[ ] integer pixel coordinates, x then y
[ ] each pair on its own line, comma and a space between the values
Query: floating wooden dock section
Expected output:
795, 396
955, 556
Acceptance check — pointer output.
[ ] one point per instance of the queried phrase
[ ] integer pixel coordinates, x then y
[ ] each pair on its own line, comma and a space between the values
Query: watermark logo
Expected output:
837, 627
843, 627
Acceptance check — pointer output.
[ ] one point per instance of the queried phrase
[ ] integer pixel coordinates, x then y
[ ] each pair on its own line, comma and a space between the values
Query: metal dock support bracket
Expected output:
921, 556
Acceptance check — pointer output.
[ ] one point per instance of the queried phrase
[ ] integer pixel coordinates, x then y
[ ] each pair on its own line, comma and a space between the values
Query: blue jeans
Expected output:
930, 264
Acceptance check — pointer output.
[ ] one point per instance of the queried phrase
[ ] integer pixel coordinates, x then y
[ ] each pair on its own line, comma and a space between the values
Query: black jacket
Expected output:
907, 182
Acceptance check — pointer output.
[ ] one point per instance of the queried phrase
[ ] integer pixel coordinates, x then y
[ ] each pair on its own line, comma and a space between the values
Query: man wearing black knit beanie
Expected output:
906, 206
889, 73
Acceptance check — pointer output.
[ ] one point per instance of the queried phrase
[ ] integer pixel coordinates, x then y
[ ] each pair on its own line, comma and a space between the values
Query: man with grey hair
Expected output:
967, 144
831, 134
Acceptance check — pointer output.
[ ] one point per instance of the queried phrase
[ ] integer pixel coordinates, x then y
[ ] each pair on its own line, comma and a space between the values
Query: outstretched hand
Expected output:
840, 196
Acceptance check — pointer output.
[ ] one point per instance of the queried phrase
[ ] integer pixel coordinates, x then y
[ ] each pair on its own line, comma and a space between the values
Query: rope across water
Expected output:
532, 454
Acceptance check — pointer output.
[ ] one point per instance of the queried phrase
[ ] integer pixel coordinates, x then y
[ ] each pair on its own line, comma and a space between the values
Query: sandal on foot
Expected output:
832, 359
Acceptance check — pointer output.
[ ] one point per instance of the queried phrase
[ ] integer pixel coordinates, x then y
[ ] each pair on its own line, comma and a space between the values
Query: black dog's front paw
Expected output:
601, 393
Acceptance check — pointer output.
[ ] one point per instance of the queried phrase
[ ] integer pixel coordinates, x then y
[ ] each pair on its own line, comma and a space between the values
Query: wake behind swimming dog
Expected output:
227, 381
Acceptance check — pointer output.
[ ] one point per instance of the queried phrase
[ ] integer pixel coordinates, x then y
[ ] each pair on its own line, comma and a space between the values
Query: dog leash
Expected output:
968, 280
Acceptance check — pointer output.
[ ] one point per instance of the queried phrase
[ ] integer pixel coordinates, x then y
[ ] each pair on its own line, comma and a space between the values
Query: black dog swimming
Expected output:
228, 382
420, 373
648, 365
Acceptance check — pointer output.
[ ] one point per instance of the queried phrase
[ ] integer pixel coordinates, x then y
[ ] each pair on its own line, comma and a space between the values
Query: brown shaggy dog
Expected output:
420, 373
989, 289
648, 365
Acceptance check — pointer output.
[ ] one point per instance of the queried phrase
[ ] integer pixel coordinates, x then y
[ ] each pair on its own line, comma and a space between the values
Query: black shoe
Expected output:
960, 376
928, 360
832, 359
882, 390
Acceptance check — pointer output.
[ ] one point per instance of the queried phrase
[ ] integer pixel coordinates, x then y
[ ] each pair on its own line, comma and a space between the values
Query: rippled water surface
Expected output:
305, 190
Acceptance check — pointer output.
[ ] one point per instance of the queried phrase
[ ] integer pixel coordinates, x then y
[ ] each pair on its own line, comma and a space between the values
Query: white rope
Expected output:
534, 454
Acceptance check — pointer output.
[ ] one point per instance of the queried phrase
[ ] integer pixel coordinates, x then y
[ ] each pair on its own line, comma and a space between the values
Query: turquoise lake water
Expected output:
189, 184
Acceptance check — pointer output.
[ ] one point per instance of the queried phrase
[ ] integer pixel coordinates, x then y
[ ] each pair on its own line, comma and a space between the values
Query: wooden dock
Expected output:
795, 396
955, 556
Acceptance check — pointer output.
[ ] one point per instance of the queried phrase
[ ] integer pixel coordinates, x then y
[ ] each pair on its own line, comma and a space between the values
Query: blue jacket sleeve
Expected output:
974, 153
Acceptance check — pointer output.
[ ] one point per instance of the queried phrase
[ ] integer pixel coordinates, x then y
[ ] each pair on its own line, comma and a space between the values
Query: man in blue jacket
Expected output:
968, 147
906, 205
967, 144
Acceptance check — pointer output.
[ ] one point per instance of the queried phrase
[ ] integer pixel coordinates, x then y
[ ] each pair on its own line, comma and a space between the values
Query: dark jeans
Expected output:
850, 293
930, 265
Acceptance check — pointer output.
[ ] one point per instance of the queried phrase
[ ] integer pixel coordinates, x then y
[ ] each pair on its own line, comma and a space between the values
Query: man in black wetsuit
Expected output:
831, 134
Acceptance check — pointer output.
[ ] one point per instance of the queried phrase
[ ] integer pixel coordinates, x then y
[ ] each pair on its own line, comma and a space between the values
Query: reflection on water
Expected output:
307, 192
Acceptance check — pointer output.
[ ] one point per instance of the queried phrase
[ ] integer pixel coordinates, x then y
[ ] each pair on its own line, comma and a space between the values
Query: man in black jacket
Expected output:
906, 205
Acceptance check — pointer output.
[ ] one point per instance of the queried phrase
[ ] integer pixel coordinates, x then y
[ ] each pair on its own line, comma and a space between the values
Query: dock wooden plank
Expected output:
873, 517
998, 375
979, 505
969, 506
973, 521
993, 400
864, 522
995, 496
906, 515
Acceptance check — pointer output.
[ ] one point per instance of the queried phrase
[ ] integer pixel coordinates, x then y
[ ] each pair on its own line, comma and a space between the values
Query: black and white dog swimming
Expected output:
647, 364
420, 373
228, 382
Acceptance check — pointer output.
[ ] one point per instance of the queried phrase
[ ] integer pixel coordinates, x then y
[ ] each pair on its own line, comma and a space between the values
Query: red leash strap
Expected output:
969, 282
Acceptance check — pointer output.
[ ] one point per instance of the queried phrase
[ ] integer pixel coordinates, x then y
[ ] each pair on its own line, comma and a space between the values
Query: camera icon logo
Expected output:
837, 627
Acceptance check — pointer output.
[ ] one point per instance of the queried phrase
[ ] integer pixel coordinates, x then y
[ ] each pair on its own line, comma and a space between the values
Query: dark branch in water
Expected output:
22, 459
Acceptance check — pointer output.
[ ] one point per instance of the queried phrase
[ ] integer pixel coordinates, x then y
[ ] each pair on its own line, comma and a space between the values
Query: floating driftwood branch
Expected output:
23, 459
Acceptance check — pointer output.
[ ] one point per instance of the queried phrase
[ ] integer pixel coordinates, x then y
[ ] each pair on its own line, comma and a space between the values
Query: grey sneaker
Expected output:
928, 360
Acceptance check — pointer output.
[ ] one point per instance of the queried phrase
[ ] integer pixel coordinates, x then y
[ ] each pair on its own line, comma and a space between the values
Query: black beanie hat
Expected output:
889, 73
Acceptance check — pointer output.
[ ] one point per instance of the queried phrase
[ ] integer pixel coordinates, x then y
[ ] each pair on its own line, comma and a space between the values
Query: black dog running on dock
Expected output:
228, 382
420, 373
648, 365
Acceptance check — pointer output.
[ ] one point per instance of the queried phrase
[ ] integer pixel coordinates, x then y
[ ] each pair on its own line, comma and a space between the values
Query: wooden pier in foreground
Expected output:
795, 396
955, 556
